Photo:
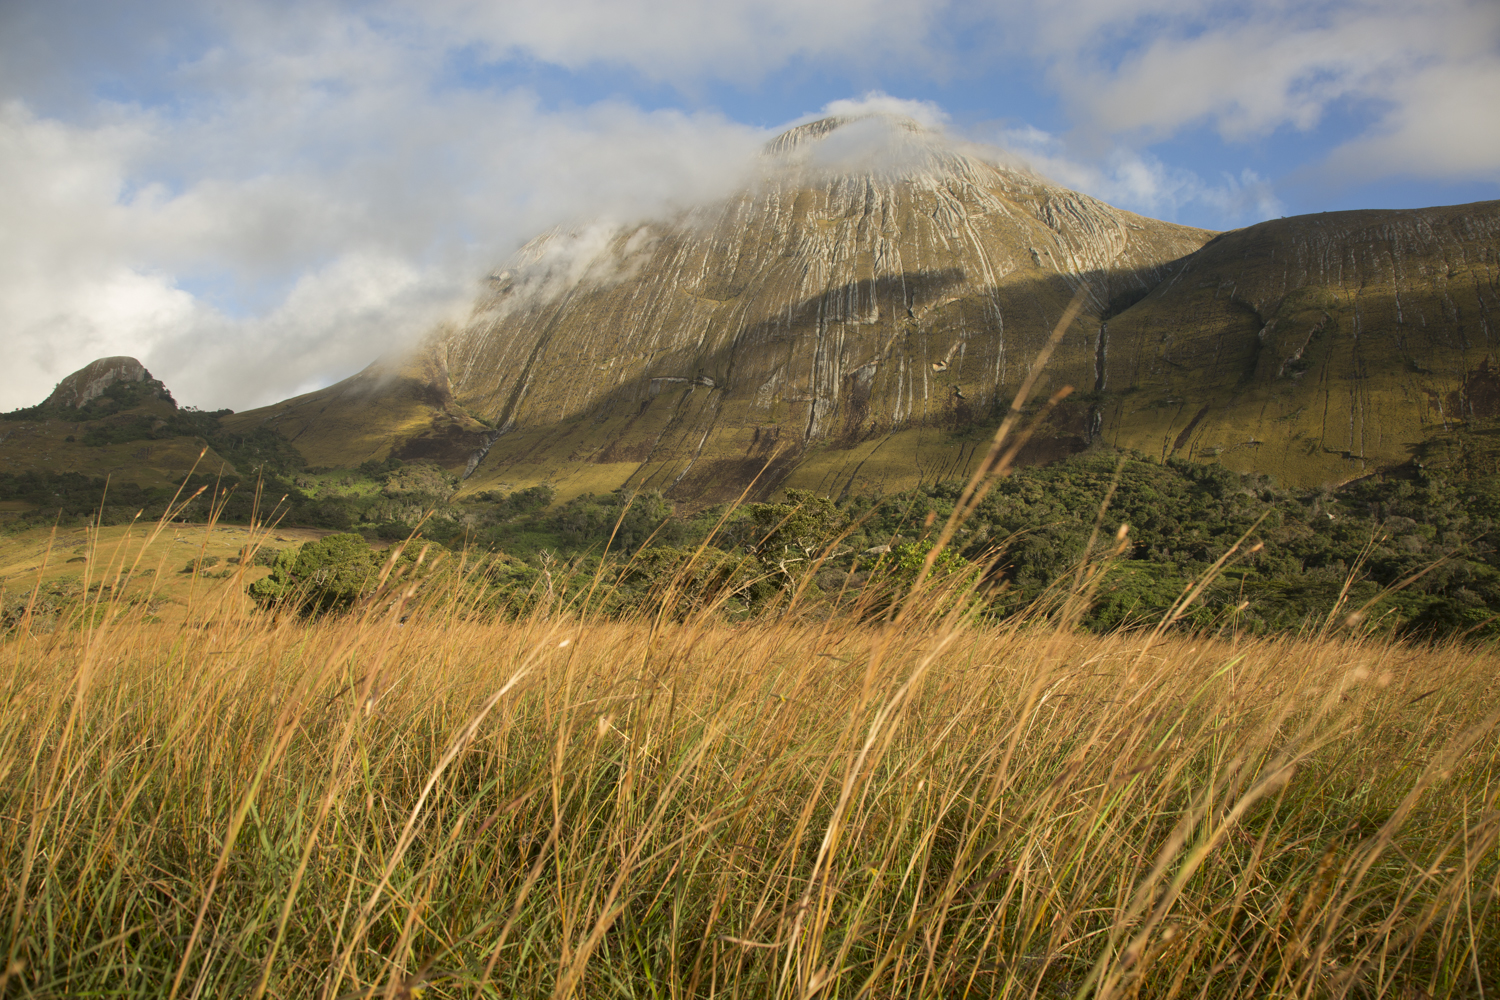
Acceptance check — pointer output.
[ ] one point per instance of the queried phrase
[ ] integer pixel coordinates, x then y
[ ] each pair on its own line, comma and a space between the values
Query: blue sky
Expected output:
259, 198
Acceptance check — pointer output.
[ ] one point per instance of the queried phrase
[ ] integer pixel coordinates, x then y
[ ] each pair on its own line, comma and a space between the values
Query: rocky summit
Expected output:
842, 322
92, 380
859, 315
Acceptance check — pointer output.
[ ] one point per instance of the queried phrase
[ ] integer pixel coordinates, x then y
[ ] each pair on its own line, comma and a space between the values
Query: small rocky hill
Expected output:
93, 380
112, 419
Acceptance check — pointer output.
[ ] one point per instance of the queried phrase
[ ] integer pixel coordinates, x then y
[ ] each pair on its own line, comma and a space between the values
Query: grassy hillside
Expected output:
402, 409
163, 574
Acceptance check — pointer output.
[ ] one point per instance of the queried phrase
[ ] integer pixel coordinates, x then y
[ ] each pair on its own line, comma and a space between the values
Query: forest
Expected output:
1413, 551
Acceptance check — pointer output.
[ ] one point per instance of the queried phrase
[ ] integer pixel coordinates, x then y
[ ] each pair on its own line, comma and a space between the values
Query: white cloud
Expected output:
1139, 181
1447, 125
1425, 69
924, 113
686, 41
1140, 71
339, 224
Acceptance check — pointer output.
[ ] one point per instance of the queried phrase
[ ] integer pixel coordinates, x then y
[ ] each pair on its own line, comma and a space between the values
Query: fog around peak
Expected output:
238, 288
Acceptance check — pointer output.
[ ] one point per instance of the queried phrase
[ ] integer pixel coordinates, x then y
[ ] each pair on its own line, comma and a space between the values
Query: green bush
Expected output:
329, 574
795, 532
679, 581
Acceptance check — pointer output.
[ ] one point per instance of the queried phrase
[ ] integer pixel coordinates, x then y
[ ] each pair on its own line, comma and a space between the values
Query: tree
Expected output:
796, 531
329, 574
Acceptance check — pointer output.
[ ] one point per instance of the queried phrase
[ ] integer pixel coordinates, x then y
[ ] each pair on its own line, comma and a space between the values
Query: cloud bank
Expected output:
1421, 73
289, 232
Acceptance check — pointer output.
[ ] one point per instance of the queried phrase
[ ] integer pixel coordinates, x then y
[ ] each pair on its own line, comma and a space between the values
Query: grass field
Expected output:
144, 567
417, 798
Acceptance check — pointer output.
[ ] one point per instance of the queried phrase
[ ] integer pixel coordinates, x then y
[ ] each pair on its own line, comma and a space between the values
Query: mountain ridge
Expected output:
857, 318
876, 290
1343, 340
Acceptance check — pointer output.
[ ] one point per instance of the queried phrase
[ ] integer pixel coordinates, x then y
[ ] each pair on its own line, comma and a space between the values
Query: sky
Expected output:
259, 198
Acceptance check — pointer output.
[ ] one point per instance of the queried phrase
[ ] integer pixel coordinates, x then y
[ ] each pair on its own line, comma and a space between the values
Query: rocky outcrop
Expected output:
89, 382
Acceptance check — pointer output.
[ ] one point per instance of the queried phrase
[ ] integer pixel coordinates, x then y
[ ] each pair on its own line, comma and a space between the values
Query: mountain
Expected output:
848, 318
861, 313
1317, 348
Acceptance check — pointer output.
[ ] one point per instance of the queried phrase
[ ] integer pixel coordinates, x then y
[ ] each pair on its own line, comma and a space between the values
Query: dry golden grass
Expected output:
555, 806
417, 797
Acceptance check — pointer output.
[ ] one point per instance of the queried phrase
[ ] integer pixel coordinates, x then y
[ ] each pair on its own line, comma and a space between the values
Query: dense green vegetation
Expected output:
329, 574
71, 497
1417, 547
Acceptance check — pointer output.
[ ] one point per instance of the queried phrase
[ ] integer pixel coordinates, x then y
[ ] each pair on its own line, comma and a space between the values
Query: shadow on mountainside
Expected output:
1376, 323
669, 417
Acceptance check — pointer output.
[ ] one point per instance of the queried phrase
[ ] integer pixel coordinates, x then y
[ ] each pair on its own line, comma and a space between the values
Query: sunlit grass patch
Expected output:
652, 808
879, 792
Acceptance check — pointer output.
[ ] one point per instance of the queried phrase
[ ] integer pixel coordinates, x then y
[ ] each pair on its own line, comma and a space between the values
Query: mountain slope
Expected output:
850, 302
399, 407
1316, 348
858, 316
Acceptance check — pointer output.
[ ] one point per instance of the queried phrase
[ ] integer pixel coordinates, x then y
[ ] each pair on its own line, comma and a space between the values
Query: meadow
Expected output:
422, 797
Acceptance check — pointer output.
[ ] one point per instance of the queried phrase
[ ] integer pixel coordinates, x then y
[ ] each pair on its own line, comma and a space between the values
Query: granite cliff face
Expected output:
856, 318
876, 283
1317, 348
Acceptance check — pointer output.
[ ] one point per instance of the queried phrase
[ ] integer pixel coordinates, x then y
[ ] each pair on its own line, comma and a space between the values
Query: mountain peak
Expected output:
801, 136
89, 382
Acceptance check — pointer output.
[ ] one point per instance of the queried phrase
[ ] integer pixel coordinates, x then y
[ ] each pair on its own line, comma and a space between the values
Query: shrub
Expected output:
795, 532
329, 574
264, 556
